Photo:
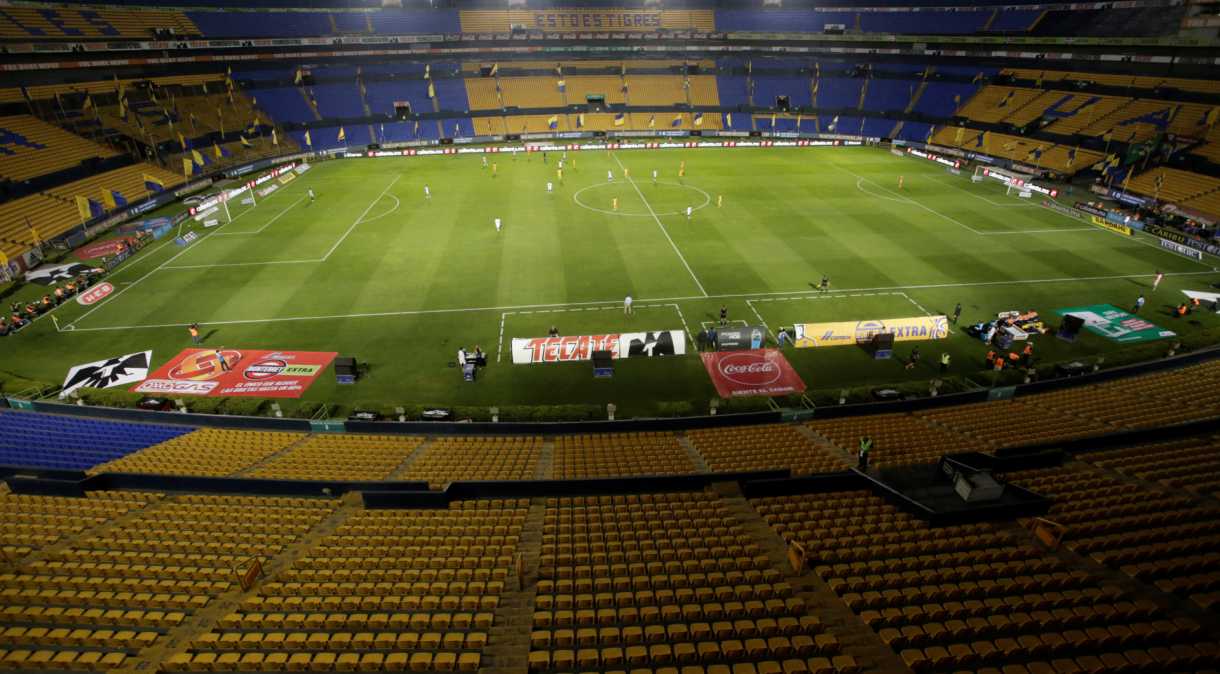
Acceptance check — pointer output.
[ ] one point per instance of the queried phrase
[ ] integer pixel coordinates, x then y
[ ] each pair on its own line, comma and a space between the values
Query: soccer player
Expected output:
724, 315
559, 174
609, 176
311, 195
957, 312
899, 182
825, 284
719, 200
614, 204
1139, 304
498, 225
484, 161
689, 210
427, 193
1156, 280
494, 168
627, 305
654, 176
626, 173
550, 187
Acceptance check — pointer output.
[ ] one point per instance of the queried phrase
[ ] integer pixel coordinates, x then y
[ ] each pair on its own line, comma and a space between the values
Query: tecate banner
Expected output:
760, 372
838, 333
237, 372
581, 347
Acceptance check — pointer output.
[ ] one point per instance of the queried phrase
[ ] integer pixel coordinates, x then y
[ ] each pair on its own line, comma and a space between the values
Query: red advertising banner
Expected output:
106, 248
760, 372
237, 372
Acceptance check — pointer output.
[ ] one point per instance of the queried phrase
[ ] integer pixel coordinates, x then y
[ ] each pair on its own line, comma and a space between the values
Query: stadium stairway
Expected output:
508, 640
206, 619
400, 471
855, 639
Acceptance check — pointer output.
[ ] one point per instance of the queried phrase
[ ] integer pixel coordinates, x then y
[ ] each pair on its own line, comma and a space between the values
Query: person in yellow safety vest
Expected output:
866, 446
944, 362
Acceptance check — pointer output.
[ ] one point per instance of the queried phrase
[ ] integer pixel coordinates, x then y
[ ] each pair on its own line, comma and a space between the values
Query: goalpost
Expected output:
1022, 184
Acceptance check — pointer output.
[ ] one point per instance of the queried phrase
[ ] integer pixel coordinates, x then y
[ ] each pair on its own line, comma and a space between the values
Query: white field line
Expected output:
750, 303
662, 226
111, 298
500, 345
661, 301
265, 225
359, 219
1137, 237
999, 204
955, 221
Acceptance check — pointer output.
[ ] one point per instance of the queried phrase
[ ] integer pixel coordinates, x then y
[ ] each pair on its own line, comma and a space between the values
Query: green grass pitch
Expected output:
374, 269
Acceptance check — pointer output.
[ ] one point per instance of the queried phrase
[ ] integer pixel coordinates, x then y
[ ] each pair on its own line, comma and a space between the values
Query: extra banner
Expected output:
839, 333
760, 372
527, 351
737, 339
237, 372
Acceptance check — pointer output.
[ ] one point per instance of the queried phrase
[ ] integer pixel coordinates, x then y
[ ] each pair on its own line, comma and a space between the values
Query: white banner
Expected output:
117, 371
581, 347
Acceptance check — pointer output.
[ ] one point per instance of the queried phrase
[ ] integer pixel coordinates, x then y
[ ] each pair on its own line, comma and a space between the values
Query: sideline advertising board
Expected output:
527, 351
839, 333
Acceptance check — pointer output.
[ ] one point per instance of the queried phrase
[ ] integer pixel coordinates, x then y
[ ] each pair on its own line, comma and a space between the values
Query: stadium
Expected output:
610, 336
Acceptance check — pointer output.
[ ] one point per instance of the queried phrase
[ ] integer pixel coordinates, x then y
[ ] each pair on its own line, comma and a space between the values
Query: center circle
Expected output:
707, 199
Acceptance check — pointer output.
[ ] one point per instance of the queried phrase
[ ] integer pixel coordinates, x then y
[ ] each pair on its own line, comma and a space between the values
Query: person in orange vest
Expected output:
999, 363
1181, 311
1014, 356
59, 295
990, 357
194, 330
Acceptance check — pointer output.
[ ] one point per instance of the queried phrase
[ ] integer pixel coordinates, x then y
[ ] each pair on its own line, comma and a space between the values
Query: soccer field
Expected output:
375, 270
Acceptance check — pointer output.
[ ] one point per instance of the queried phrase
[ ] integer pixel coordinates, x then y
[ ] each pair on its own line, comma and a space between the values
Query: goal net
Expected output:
1016, 183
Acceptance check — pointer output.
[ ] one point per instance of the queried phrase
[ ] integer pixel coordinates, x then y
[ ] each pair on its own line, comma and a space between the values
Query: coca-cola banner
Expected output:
581, 347
760, 372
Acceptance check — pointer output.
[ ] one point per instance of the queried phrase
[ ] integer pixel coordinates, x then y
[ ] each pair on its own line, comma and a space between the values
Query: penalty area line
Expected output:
661, 301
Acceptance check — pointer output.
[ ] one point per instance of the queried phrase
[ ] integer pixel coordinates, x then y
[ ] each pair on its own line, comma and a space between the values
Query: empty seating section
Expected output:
110, 593
1159, 399
1045, 154
45, 91
974, 597
555, 19
656, 90
211, 452
32, 523
612, 455
666, 581
763, 447
30, 147
1024, 423
995, 103
449, 459
392, 589
340, 457
1116, 80
46, 441
1160, 537
897, 438
54, 212
1188, 463
62, 22
1181, 187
